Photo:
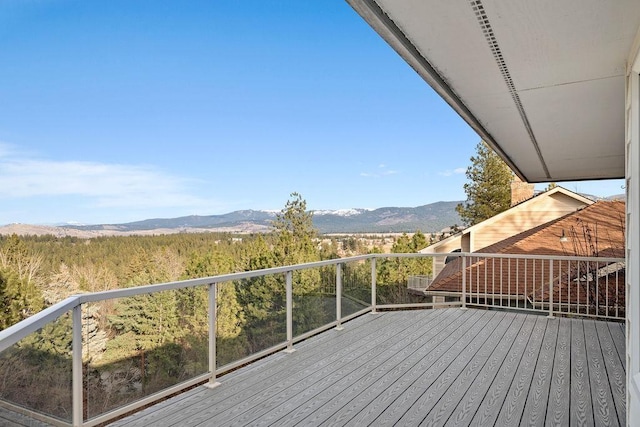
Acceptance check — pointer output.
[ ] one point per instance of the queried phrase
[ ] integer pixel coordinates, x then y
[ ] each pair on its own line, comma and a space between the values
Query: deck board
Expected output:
427, 369
615, 370
426, 392
332, 398
422, 367
472, 399
558, 408
362, 396
605, 415
538, 395
488, 411
581, 409
444, 408
513, 407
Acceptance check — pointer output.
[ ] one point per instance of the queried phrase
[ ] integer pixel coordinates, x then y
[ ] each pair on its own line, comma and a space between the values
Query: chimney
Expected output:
520, 191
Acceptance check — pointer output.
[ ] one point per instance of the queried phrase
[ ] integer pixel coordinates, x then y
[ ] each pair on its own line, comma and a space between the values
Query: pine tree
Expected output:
19, 299
295, 233
489, 187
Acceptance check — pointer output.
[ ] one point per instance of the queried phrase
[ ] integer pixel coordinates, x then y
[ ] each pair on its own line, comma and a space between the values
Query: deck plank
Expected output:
618, 334
370, 403
513, 407
501, 336
474, 355
536, 405
348, 368
425, 373
581, 404
471, 400
332, 398
13, 419
558, 407
605, 414
490, 407
615, 372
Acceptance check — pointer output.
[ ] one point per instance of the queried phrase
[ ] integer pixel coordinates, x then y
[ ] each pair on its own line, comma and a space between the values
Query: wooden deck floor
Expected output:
426, 367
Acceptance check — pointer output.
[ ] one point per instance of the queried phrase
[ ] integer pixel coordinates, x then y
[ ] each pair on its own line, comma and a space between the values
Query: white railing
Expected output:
359, 285
559, 285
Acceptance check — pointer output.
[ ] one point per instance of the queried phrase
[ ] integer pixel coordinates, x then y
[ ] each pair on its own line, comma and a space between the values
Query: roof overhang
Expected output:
542, 82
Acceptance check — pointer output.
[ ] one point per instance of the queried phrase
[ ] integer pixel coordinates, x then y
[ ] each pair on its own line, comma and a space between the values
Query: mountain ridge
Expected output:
431, 217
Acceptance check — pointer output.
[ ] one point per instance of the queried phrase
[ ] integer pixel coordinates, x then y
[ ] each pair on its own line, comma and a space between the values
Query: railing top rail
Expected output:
31, 324
520, 256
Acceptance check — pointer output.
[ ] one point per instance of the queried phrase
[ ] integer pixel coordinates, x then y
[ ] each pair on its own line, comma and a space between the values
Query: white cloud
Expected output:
103, 185
381, 172
456, 171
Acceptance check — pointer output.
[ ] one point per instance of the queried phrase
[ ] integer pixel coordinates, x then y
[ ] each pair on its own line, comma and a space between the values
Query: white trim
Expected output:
632, 151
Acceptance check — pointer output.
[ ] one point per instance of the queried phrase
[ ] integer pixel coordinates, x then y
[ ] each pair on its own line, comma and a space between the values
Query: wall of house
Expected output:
632, 174
524, 217
445, 248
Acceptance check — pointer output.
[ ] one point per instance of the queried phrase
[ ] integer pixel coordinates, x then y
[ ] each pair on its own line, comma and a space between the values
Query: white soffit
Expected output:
542, 81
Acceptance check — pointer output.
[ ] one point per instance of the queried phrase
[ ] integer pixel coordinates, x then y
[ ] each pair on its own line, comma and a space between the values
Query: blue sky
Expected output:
126, 110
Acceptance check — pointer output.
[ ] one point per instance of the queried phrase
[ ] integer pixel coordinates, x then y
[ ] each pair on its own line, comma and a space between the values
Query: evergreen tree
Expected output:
489, 189
295, 233
16, 256
19, 299
393, 273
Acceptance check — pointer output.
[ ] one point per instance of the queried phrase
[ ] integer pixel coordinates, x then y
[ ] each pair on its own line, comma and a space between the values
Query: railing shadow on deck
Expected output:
73, 363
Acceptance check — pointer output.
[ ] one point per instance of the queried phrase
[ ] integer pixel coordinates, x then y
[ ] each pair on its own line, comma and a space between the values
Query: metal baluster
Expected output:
339, 297
550, 288
76, 367
464, 282
213, 293
289, 288
373, 285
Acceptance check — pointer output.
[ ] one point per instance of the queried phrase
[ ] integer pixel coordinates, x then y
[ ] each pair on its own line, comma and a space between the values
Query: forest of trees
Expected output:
137, 345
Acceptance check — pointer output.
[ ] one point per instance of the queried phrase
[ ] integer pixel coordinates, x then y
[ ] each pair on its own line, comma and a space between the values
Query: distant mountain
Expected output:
432, 217
428, 218
229, 220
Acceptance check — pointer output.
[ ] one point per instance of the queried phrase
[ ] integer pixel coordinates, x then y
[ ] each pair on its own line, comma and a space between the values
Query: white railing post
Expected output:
373, 285
464, 282
339, 297
76, 367
550, 288
289, 286
213, 301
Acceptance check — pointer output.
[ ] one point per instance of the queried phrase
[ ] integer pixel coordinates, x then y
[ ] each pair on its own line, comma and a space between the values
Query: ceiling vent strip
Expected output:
489, 35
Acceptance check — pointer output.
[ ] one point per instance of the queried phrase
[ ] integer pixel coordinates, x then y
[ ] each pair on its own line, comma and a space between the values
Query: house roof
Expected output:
596, 230
542, 83
522, 206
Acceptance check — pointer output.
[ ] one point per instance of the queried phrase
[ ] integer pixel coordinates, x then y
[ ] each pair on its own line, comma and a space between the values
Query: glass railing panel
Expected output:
393, 277
314, 298
36, 373
259, 312
356, 286
136, 346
